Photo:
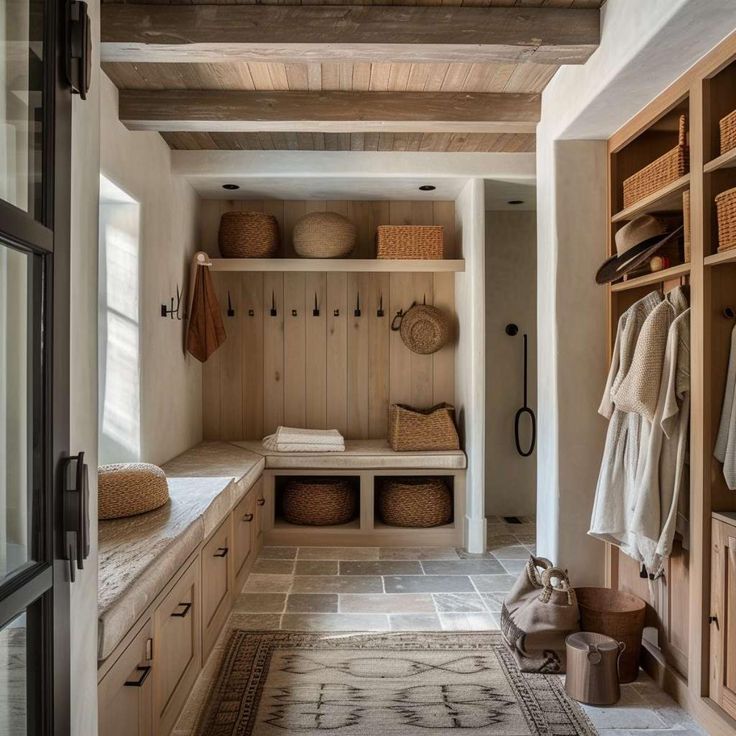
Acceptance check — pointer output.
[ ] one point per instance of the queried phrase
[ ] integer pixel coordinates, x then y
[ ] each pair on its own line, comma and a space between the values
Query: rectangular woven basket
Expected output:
727, 126
412, 429
662, 171
726, 211
421, 242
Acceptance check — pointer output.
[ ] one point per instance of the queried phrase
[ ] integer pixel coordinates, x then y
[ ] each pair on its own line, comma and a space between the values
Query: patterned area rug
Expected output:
401, 684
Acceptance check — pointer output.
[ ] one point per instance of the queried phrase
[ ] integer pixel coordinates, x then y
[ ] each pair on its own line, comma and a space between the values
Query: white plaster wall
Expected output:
470, 356
171, 382
83, 381
511, 296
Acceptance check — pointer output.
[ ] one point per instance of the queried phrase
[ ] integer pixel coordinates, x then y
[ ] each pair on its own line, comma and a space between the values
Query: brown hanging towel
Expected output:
205, 331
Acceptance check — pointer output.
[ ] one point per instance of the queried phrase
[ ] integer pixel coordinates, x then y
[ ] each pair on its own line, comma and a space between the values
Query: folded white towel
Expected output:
289, 439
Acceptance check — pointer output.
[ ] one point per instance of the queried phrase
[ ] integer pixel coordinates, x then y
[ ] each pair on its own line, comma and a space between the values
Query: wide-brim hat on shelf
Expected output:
636, 241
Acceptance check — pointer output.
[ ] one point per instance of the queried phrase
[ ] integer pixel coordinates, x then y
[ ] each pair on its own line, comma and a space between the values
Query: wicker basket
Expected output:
416, 430
726, 209
319, 501
324, 235
686, 225
662, 171
424, 329
128, 489
414, 502
728, 132
421, 242
618, 615
248, 235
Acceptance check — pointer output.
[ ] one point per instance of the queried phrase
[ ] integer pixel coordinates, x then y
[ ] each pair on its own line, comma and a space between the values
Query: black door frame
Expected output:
47, 235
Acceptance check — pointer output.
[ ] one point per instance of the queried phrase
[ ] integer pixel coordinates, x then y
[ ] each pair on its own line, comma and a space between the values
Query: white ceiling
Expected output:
499, 193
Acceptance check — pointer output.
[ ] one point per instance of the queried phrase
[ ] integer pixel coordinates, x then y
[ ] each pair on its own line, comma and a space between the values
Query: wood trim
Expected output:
416, 34
333, 111
336, 265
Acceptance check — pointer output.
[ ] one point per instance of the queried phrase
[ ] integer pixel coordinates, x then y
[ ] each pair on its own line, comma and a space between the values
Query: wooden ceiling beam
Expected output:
364, 33
333, 112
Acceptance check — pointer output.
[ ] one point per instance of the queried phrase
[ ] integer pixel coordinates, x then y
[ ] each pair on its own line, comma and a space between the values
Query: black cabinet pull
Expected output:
248, 517
221, 552
261, 501
145, 670
184, 611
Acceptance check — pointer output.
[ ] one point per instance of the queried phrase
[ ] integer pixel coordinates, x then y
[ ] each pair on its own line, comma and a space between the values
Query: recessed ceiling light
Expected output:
230, 186
427, 188
515, 201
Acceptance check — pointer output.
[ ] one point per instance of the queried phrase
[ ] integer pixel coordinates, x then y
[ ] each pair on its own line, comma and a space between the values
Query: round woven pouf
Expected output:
324, 235
128, 489
425, 329
415, 502
319, 501
248, 235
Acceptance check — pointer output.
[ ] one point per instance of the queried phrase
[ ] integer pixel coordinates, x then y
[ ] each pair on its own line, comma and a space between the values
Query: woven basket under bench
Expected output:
414, 502
319, 501
669, 167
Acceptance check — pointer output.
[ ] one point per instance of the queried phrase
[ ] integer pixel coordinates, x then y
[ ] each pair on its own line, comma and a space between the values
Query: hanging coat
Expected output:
725, 449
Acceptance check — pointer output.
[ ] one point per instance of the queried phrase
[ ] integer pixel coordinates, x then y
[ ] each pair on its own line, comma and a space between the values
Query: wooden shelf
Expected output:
726, 161
340, 265
727, 256
667, 199
652, 278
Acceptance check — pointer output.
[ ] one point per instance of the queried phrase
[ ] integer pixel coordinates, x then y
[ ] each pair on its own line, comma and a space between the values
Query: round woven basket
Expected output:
248, 235
319, 501
415, 502
128, 489
324, 235
618, 615
425, 329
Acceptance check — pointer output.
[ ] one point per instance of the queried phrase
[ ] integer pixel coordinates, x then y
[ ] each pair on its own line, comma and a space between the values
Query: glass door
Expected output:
34, 364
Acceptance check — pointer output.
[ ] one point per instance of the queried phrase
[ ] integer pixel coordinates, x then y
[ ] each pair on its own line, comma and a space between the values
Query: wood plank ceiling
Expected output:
464, 89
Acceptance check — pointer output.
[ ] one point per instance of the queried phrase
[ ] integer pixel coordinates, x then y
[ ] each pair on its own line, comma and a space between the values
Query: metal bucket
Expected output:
592, 668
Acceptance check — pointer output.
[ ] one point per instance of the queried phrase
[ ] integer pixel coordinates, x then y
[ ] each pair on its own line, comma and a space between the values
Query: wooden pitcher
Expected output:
592, 668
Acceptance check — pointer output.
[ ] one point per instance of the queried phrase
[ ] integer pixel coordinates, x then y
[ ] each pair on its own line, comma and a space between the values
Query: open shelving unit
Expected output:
683, 649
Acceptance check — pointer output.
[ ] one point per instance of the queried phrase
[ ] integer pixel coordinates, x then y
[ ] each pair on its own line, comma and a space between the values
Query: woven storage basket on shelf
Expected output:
421, 242
417, 430
667, 168
324, 235
618, 615
727, 126
319, 501
726, 210
686, 225
248, 235
128, 489
414, 502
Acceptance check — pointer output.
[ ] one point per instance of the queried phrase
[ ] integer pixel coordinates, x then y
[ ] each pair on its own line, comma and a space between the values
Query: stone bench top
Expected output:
138, 555
360, 454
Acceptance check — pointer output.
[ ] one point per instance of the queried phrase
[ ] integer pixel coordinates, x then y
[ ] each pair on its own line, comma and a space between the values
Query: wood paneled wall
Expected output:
335, 370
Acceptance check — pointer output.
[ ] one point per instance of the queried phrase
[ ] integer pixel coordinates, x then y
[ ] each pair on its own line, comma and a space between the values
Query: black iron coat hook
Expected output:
315, 311
173, 311
357, 306
274, 312
230, 310
380, 311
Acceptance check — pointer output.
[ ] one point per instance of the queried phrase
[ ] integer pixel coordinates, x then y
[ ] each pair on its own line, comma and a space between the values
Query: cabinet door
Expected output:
125, 692
176, 648
723, 617
216, 585
260, 515
244, 530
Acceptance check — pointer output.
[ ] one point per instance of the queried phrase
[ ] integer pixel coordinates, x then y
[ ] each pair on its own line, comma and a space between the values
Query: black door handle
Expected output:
261, 501
221, 552
248, 517
183, 612
75, 513
145, 670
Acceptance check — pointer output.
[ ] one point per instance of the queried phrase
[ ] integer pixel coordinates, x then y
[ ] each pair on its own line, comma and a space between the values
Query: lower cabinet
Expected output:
260, 513
723, 617
216, 584
126, 692
244, 538
177, 651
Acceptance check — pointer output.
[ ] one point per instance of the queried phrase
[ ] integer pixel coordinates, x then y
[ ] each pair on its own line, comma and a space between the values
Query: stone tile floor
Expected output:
413, 589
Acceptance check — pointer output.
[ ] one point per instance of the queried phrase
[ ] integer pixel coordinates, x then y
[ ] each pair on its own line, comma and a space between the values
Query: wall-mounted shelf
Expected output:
653, 278
340, 265
726, 161
667, 199
727, 256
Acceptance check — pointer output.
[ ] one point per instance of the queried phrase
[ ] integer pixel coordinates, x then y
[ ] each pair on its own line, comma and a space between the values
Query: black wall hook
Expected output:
173, 311
251, 312
357, 306
274, 312
728, 313
336, 313
380, 312
294, 313
230, 310
315, 311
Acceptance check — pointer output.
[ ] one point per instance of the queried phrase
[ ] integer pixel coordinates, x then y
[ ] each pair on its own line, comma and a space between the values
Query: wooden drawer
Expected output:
216, 585
126, 692
244, 533
177, 648
723, 617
